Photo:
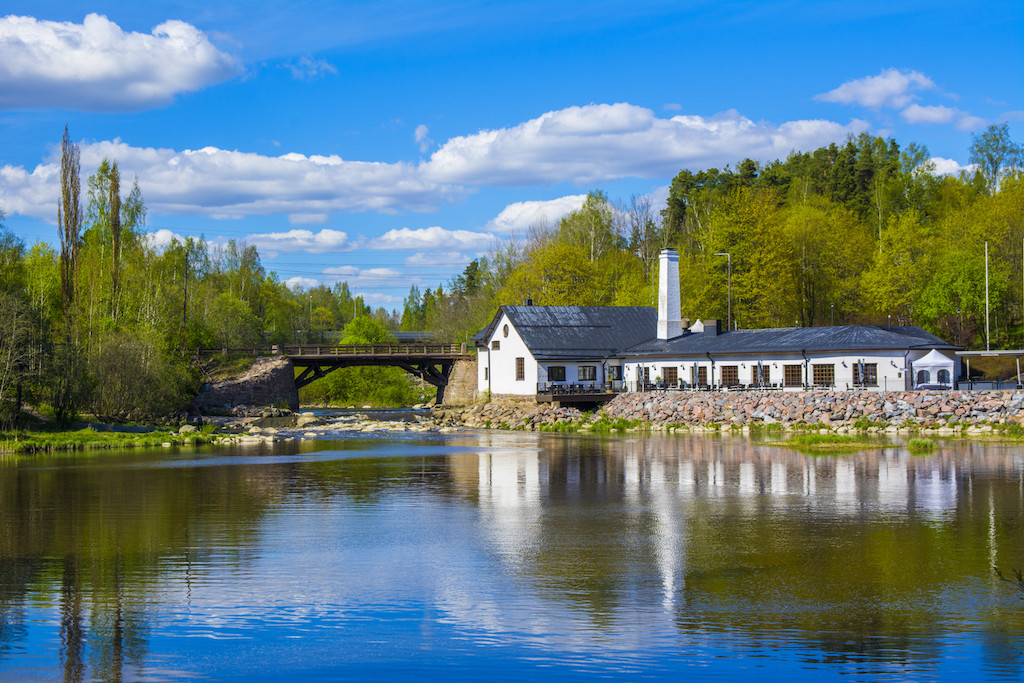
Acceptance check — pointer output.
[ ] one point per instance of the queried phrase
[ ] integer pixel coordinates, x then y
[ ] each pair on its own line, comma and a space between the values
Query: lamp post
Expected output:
832, 311
728, 257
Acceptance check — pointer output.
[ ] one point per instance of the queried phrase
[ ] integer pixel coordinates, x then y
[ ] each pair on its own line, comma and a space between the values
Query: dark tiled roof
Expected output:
793, 340
578, 332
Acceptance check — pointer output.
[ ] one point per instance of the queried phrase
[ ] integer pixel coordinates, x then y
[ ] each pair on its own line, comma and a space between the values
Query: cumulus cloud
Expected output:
230, 184
161, 239
432, 239
520, 216
422, 137
298, 283
916, 113
324, 241
605, 142
891, 88
96, 66
941, 166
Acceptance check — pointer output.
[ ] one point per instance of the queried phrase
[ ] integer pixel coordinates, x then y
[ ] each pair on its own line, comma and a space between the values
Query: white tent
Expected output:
933, 371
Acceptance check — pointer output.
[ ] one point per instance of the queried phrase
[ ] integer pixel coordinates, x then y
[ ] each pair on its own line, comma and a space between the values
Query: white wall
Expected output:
502, 363
889, 366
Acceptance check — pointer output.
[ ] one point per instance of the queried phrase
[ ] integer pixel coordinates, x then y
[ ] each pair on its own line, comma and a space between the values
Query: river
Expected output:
512, 556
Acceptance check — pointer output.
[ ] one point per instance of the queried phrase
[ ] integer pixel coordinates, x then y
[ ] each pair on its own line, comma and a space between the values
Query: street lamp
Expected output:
728, 256
832, 310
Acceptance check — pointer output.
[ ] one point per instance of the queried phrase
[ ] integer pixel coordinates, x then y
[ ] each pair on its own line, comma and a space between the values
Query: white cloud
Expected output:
604, 142
298, 283
324, 241
96, 66
891, 88
161, 239
941, 166
968, 122
916, 113
308, 68
432, 239
231, 184
446, 261
520, 216
369, 278
422, 137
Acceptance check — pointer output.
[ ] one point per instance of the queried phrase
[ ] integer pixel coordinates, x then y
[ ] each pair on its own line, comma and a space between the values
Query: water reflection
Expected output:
586, 554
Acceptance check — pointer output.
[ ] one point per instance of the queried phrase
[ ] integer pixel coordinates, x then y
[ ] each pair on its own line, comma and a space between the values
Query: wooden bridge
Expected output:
432, 363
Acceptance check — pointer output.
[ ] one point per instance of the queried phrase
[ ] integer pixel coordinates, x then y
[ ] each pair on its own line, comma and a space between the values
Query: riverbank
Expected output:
942, 412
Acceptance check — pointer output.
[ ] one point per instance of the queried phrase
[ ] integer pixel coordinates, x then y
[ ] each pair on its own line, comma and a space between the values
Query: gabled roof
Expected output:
577, 332
794, 340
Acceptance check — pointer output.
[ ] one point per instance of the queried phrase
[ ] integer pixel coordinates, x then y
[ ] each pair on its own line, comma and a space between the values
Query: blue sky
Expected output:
388, 143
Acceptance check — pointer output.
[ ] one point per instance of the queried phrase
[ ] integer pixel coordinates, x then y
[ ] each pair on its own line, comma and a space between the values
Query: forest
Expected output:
863, 232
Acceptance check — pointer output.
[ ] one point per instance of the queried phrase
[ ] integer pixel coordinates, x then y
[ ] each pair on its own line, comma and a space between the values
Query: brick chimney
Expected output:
670, 323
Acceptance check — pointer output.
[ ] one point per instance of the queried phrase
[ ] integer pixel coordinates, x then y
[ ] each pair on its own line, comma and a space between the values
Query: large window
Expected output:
793, 375
699, 375
865, 374
944, 377
556, 373
520, 369
670, 374
587, 373
614, 372
924, 377
730, 375
823, 374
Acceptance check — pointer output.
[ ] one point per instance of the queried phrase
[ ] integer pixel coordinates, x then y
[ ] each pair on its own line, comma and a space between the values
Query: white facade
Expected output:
506, 365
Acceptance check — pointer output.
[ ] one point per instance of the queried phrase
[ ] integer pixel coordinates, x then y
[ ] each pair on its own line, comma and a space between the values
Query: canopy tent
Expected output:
934, 371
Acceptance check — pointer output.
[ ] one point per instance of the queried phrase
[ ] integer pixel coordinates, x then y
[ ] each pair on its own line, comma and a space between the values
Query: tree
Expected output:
590, 228
69, 219
995, 155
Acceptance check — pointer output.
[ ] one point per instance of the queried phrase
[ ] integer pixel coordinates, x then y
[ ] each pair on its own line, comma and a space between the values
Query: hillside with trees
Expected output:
863, 232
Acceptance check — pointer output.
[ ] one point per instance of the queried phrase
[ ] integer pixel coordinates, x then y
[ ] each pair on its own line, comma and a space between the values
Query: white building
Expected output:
530, 350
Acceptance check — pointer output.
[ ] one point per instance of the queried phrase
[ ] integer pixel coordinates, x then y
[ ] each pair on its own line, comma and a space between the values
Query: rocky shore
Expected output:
840, 411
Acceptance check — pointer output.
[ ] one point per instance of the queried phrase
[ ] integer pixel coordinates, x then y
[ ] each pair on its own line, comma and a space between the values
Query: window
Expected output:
486, 373
614, 372
504, 330
730, 375
762, 375
944, 377
587, 373
793, 375
520, 369
823, 374
556, 373
865, 374
495, 345
699, 375
670, 375
924, 377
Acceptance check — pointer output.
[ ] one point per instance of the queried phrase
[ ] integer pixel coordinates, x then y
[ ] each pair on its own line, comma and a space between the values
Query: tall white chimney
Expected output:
670, 323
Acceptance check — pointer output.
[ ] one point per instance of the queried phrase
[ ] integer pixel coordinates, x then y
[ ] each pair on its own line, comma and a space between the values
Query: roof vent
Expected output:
529, 302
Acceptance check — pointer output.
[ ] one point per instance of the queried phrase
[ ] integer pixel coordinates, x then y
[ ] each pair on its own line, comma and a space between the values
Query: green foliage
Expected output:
921, 445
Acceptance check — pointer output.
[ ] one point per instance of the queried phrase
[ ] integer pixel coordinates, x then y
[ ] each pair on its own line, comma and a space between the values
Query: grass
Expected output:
50, 440
827, 442
921, 445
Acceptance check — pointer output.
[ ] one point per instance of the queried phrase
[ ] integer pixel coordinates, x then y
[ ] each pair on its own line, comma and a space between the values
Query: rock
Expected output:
187, 429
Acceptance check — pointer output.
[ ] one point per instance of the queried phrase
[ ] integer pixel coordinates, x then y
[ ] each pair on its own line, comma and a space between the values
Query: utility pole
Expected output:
728, 256
987, 340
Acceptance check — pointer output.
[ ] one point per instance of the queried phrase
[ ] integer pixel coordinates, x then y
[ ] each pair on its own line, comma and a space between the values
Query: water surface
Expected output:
512, 555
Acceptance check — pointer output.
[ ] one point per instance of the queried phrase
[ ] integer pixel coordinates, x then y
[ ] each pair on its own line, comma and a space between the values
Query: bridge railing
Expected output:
345, 350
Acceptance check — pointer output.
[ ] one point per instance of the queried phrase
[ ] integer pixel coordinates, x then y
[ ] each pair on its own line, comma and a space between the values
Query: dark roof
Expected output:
794, 340
577, 332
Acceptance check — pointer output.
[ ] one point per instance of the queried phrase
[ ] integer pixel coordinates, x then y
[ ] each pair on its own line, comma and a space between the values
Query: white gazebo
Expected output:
934, 370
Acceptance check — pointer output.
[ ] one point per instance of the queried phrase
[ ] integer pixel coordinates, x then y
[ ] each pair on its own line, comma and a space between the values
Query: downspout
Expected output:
490, 373
711, 377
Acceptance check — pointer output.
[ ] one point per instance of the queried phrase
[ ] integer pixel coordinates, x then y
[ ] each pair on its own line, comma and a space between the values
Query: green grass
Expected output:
90, 439
828, 442
921, 445
619, 424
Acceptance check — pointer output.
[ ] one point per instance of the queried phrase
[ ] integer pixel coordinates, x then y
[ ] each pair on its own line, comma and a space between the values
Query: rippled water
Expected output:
512, 556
